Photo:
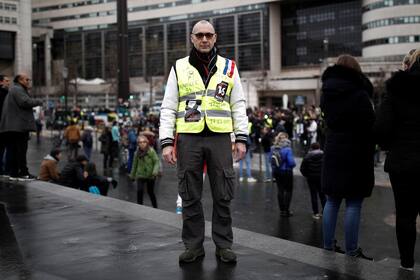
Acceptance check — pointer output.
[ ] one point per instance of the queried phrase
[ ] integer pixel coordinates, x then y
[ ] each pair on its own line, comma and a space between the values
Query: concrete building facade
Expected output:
280, 46
15, 37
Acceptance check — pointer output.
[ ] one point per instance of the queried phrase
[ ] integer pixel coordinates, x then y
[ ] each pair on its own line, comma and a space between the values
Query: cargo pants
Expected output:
216, 151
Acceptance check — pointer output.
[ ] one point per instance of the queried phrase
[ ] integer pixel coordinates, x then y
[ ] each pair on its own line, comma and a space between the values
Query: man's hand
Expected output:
168, 154
239, 151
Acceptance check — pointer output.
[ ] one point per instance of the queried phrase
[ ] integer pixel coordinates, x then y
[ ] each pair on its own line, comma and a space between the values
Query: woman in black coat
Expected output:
347, 171
106, 140
397, 129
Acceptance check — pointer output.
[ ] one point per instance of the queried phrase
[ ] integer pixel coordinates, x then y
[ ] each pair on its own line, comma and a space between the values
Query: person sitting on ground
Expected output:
311, 169
72, 174
49, 167
93, 179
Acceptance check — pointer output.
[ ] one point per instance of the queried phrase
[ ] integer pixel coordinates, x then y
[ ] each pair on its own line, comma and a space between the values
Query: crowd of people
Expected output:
338, 141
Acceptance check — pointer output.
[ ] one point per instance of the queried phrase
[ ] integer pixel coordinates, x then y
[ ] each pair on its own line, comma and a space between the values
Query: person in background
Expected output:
132, 146
87, 141
347, 171
17, 121
106, 140
283, 172
248, 156
72, 136
115, 144
406, 61
397, 130
93, 179
145, 170
73, 175
311, 169
267, 142
4, 90
49, 167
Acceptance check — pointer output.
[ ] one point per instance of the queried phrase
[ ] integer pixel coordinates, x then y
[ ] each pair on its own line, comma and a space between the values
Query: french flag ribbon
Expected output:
229, 68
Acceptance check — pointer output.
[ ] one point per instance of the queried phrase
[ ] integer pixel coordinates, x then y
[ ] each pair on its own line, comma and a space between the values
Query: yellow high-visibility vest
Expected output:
215, 99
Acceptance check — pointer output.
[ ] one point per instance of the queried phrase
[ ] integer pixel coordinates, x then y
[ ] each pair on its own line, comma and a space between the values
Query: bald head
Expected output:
203, 36
23, 79
201, 23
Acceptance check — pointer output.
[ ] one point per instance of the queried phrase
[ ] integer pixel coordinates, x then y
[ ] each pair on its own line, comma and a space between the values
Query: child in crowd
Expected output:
145, 169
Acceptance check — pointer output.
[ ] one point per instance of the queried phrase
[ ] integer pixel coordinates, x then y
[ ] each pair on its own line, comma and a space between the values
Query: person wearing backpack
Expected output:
311, 169
87, 141
72, 136
282, 164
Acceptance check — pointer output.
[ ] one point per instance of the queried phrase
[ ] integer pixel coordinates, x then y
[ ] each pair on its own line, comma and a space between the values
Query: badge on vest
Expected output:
193, 110
221, 90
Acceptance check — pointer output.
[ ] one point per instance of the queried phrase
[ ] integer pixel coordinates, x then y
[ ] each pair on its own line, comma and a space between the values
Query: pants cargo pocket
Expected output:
183, 186
229, 184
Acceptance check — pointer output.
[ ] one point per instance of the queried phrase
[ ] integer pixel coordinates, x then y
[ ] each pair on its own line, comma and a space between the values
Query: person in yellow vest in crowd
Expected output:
203, 103
247, 160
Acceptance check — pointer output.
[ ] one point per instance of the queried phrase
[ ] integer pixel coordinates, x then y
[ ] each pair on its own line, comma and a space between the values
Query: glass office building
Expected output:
315, 30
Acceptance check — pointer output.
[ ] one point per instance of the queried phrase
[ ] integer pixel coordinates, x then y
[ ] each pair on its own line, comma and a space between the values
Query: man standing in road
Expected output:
203, 104
4, 90
17, 120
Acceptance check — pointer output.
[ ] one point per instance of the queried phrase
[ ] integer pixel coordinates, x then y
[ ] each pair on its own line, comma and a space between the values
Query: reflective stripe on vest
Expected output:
215, 113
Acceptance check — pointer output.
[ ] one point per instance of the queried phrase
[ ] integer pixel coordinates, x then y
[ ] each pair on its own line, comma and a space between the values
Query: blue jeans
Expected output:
351, 222
267, 165
247, 163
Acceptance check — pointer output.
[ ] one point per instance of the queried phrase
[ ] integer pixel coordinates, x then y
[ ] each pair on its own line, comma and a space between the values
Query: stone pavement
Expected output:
49, 232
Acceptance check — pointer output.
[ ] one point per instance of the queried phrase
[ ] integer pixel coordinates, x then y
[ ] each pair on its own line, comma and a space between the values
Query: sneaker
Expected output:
241, 179
316, 216
178, 210
191, 255
251, 180
25, 178
359, 254
286, 214
13, 178
226, 255
407, 268
267, 180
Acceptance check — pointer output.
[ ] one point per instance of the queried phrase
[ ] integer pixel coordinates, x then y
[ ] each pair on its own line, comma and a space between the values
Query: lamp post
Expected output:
123, 76
65, 74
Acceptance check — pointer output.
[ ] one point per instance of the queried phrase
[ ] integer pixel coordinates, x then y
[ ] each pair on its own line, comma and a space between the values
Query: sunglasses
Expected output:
201, 35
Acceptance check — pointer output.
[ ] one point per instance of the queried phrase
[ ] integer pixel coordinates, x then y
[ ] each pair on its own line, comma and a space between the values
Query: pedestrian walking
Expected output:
87, 141
132, 146
72, 136
311, 169
347, 172
4, 90
247, 160
145, 170
49, 171
17, 121
266, 143
282, 164
397, 130
203, 103
114, 152
106, 140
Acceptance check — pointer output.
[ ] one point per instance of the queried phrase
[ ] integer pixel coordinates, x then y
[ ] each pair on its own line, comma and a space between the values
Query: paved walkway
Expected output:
49, 232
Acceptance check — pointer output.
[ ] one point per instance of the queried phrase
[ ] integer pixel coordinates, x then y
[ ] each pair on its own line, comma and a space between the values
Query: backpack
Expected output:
276, 160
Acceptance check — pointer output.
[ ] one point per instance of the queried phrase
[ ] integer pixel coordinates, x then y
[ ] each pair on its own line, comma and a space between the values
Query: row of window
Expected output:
45, 21
391, 21
70, 5
8, 20
154, 48
8, 6
392, 40
388, 3
130, 9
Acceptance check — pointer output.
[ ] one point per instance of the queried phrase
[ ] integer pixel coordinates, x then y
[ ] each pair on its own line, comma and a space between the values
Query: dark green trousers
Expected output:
216, 150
